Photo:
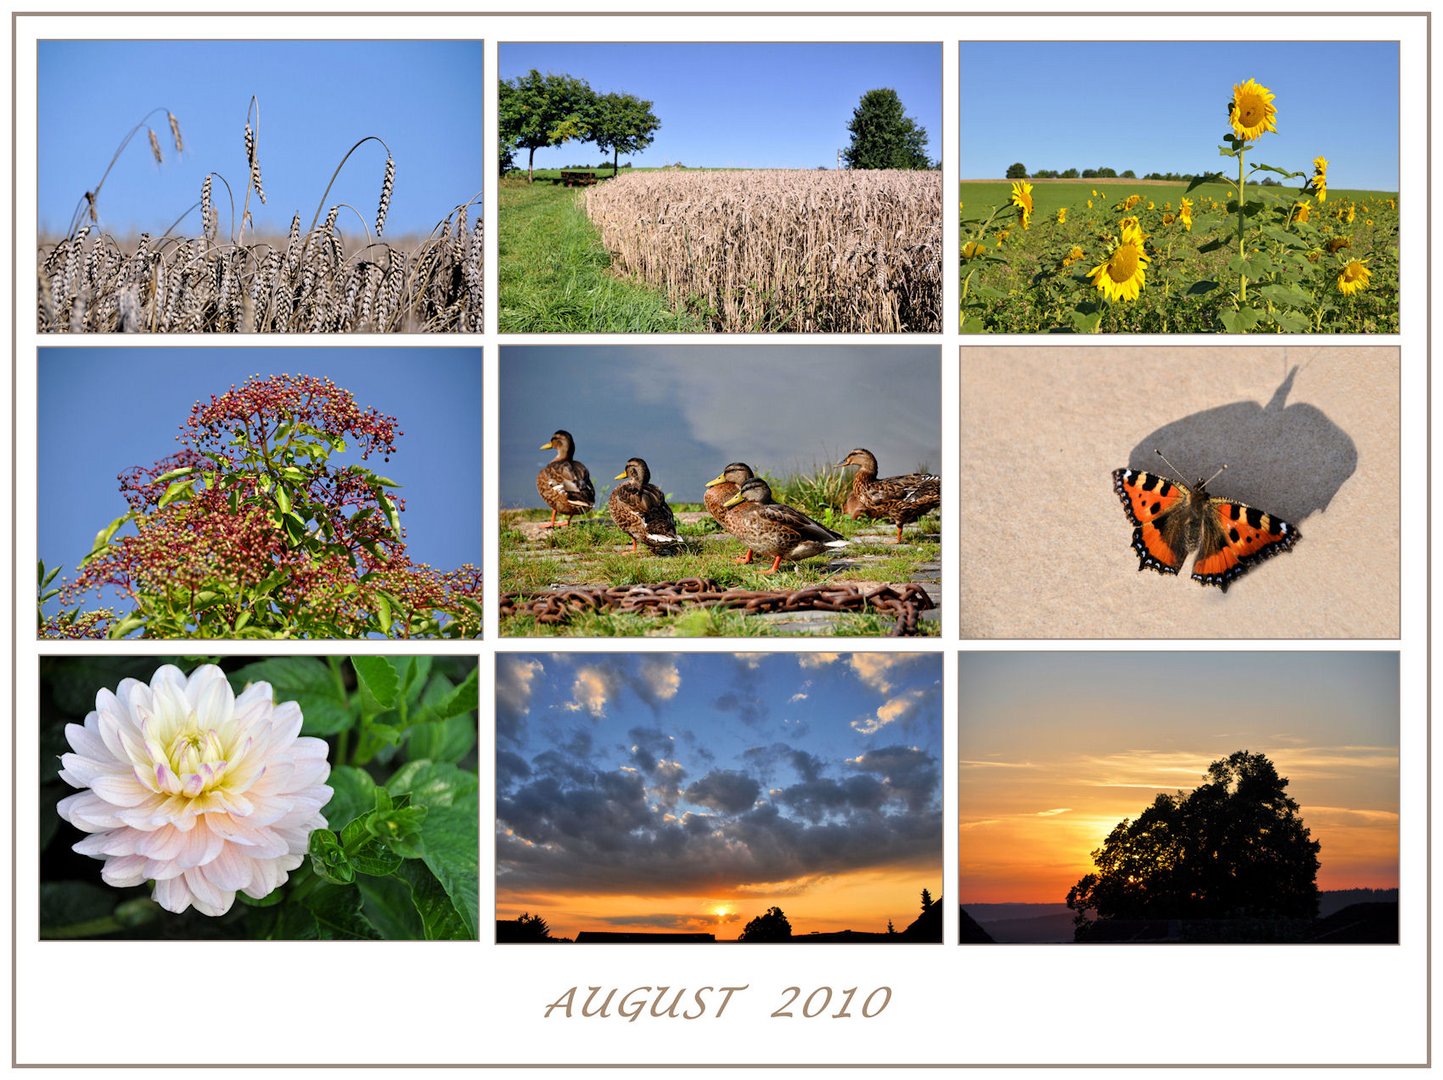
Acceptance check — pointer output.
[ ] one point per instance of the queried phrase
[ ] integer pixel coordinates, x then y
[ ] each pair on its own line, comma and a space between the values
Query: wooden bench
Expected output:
577, 178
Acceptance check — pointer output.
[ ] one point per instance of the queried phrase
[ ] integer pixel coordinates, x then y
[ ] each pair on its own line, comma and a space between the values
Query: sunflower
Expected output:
1131, 201
1184, 214
1303, 210
1089, 204
1121, 276
1168, 219
1354, 277
1150, 205
1062, 215
1022, 199
1320, 178
972, 249
1337, 244
1352, 213
1075, 255
1251, 112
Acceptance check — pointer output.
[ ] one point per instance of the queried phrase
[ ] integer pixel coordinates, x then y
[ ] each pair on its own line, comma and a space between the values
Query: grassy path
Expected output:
554, 273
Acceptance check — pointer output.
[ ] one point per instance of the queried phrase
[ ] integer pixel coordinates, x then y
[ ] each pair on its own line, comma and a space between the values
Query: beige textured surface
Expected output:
1309, 434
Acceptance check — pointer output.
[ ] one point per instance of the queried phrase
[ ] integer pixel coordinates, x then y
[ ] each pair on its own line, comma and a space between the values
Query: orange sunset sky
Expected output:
1055, 749
690, 792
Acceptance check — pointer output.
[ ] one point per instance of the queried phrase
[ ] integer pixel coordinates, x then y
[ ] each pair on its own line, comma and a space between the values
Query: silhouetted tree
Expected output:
884, 136
773, 926
1234, 847
524, 928
926, 899
1017, 171
890, 928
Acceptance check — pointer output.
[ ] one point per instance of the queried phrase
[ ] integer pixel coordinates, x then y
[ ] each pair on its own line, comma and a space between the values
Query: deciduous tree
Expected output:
536, 110
884, 136
622, 124
1234, 847
773, 926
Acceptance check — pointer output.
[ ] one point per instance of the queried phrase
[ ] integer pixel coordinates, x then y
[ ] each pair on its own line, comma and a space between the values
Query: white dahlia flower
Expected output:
190, 787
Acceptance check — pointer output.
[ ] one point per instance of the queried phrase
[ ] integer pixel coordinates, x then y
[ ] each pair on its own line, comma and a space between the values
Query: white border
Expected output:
478, 1003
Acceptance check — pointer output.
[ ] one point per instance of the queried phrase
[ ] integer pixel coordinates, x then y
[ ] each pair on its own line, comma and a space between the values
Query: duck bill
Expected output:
737, 498
719, 480
546, 446
620, 476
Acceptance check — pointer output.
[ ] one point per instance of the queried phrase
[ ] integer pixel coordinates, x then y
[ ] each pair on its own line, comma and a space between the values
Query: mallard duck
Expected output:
639, 508
898, 499
775, 529
564, 484
721, 489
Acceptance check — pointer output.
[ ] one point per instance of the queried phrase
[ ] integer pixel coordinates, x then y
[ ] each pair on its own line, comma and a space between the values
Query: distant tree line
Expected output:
1018, 171
536, 110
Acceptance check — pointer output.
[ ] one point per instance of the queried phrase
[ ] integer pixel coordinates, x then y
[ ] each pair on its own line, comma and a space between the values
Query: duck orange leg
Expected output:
899, 535
775, 563
745, 558
554, 524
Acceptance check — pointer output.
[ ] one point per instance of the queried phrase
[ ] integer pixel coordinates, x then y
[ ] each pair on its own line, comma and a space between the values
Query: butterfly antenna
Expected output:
1214, 476
1176, 472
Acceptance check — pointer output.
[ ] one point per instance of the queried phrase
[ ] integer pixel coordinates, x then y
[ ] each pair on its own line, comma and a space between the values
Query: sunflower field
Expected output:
1217, 254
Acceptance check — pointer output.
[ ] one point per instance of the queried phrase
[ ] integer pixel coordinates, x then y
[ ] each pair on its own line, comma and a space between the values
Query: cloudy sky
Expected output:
689, 410
690, 792
1057, 748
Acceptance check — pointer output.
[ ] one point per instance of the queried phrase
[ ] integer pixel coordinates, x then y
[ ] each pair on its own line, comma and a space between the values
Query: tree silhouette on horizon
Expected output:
771, 926
1234, 847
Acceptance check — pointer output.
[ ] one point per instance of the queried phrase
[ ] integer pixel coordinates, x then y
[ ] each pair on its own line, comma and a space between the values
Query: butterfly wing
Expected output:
1159, 510
1234, 537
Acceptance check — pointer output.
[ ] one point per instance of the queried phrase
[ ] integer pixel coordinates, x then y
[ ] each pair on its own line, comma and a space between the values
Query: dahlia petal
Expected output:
87, 742
207, 898
287, 720
230, 870
120, 790
211, 697
102, 844
172, 894
124, 872
88, 812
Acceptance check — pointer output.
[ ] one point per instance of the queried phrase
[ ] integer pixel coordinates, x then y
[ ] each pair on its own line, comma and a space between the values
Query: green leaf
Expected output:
1200, 288
1241, 321
383, 482
378, 678
65, 903
389, 505
388, 905
1294, 322
103, 537
125, 627
450, 838
353, 794
1225, 151
181, 489
339, 915
383, 611
174, 474
307, 681
283, 499
441, 740
1274, 169
1285, 295
328, 859
365, 851
439, 917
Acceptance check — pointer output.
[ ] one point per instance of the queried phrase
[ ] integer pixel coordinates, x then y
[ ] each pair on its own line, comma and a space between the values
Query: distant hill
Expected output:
1344, 916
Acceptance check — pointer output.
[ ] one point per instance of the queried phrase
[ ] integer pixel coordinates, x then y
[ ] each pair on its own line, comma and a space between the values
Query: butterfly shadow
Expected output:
1287, 460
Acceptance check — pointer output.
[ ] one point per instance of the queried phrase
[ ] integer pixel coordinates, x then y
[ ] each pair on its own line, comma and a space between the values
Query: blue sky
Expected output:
1162, 106
776, 106
317, 98
103, 410
690, 410
668, 790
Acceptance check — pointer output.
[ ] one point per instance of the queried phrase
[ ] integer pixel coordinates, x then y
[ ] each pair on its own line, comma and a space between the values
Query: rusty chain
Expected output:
903, 602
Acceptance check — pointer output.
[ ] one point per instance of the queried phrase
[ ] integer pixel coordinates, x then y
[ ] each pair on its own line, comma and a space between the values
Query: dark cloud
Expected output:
749, 706
724, 790
909, 774
648, 746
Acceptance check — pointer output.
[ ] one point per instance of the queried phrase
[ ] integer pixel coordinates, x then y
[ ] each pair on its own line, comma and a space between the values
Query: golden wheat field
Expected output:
309, 282
858, 251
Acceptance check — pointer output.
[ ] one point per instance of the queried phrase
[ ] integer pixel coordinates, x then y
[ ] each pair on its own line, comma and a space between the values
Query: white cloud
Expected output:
798, 696
892, 710
590, 692
661, 677
817, 659
876, 669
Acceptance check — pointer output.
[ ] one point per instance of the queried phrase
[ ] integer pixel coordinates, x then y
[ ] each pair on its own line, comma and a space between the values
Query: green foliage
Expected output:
622, 124
771, 926
1025, 281
1235, 847
884, 136
1017, 171
536, 110
399, 858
